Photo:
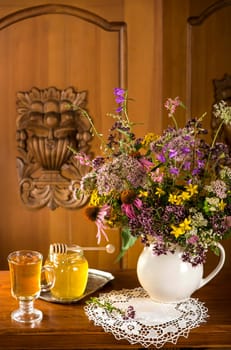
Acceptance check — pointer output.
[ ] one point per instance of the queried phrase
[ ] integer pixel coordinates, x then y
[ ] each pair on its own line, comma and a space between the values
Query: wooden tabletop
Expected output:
67, 326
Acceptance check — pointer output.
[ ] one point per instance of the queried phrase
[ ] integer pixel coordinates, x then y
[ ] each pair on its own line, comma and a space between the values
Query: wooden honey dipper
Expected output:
62, 248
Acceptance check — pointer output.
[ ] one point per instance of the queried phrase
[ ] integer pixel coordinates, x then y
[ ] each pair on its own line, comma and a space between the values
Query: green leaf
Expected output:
127, 241
215, 250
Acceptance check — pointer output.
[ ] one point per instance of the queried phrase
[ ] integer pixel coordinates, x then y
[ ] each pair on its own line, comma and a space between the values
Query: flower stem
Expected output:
94, 130
217, 133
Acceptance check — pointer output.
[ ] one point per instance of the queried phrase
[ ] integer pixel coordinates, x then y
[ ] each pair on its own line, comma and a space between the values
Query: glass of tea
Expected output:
26, 272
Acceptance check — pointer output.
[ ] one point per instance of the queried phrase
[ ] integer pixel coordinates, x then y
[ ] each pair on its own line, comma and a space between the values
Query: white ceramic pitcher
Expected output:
166, 278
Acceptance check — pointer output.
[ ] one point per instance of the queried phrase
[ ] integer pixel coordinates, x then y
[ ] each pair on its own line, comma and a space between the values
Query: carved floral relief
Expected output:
45, 129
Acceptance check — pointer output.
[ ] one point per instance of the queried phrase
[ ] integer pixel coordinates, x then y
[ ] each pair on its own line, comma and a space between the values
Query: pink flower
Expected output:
128, 209
83, 158
146, 163
157, 176
103, 212
193, 239
171, 105
98, 215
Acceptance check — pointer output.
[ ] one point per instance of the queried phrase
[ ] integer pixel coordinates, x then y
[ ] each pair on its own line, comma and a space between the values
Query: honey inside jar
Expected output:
71, 274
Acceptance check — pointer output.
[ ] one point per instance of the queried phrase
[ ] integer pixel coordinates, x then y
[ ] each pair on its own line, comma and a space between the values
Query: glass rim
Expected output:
24, 252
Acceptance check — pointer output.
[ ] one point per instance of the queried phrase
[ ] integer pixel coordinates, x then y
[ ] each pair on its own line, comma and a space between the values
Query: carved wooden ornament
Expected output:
46, 126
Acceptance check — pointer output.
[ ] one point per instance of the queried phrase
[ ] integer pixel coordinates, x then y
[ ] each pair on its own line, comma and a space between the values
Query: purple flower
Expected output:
142, 222
130, 313
187, 138
185, 150
119, 109
98, 162
200, 164
172, 153
186, 165
120, 95
119, 92
174, 171
173, 211
161, 158
119, 99
195, 171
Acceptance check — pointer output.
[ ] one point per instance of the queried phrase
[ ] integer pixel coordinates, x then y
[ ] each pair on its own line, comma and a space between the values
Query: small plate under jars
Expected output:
96, 280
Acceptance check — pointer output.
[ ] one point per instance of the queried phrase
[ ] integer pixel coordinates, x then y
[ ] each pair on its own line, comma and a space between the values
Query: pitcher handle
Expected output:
219, 266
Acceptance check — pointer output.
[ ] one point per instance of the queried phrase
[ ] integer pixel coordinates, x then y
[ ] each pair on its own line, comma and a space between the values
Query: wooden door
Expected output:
197, 50
61, 46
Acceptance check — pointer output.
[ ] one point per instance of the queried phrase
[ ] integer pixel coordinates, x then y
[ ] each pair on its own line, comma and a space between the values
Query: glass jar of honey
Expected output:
71, 274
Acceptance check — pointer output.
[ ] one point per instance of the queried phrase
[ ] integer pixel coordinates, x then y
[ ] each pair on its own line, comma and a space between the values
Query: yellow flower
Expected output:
177, 231
159, 192
95, 199
175, 199
185, 225
172, 198
143, 194
185, 196
221, 205
150, 137
180, 230
192, 189
179, 200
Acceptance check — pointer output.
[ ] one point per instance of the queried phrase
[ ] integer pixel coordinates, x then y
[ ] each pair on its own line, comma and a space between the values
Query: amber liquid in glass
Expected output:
71, 275
25, 274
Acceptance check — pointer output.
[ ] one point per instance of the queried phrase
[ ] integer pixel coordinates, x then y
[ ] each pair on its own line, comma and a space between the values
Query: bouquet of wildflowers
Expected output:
169, 190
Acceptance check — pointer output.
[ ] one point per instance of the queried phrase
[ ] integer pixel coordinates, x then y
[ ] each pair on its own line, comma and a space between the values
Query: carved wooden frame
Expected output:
47, 174
216, 6
119, 27
197, 21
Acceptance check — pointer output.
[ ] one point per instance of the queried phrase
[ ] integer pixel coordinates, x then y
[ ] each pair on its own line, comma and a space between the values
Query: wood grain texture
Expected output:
61, 50
51, 49
193, 56
57, 50
67, 326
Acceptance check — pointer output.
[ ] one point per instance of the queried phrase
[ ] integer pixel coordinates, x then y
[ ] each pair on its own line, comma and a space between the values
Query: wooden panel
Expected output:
144, 20
194, 55
175, 79
51, 50
210, 57
58, 50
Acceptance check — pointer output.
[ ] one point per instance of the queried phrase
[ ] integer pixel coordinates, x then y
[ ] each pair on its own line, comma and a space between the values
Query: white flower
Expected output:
223, 111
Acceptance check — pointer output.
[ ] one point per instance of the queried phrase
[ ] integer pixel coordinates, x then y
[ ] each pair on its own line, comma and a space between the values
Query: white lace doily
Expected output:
154, 323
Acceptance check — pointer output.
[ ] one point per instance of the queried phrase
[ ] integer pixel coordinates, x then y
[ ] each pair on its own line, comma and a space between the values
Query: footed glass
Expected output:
25, 275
